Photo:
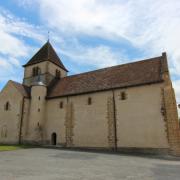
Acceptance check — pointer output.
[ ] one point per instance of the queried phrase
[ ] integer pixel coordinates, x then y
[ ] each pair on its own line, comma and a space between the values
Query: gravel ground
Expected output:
53, 164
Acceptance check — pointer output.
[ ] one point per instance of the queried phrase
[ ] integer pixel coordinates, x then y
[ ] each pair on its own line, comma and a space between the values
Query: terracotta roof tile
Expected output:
131, 74
24, 90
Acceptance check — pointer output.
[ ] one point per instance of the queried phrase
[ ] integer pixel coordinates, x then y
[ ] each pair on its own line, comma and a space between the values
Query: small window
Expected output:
58, 74
7, 106
123, 96
61, 105
36, 71
39, 110
89, 101
39, 98
4, 132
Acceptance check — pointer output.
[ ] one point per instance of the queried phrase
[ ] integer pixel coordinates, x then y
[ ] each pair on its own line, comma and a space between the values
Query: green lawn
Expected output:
12, 147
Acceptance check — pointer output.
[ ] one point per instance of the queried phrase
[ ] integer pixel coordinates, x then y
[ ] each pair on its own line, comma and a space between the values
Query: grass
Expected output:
12, 147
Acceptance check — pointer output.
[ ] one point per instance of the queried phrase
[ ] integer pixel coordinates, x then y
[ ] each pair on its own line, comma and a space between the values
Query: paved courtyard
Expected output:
53, 164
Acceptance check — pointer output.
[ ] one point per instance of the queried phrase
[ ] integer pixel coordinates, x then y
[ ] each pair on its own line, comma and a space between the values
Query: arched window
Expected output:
123, 96
36, 71
58, 74
7, 106
4, 131
89, 100
61, 105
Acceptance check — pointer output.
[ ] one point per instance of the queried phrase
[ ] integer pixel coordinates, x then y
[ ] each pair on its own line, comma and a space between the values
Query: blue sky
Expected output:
89, 34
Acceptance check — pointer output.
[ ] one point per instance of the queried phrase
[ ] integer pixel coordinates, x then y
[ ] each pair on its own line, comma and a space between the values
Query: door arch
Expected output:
53, 138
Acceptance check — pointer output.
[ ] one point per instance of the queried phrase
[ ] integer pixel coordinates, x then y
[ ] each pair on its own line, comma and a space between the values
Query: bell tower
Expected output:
44, 67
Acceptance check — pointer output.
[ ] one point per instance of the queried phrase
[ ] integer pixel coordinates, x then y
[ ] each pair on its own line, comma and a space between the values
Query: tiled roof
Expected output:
46, 53
24, 90
132, 74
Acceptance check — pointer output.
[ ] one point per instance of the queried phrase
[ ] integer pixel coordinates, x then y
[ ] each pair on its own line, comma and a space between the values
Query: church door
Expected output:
53, 139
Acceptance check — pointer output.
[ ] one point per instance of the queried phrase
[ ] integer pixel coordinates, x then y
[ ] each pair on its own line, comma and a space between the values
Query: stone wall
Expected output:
55, 120
10, 119
171, 117
111, 123
140, 123
36, 120
169, 110
69, 124
90, 127
51, 68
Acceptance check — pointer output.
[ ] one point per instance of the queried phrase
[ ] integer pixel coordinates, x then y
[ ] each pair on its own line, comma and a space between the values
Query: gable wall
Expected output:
10, 120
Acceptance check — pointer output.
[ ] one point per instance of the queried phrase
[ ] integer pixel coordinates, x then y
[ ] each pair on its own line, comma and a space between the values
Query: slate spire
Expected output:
46, 53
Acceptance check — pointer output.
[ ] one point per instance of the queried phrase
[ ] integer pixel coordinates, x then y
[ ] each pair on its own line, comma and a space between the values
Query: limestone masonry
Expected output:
129, 107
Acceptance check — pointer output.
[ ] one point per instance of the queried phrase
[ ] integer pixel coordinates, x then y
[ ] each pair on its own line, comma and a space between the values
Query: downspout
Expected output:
21, 121
115, 122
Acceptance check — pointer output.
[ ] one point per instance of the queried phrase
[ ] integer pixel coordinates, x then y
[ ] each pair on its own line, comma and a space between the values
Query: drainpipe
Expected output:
21, 121
115, 122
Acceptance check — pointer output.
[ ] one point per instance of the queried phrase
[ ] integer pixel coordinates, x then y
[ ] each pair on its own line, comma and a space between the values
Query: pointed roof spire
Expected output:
46, 53
48, 36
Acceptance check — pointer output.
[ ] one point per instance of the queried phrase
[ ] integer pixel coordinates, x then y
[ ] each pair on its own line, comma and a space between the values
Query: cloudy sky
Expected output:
89, 34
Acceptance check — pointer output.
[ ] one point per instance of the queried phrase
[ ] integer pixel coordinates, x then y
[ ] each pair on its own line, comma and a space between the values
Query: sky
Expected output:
89, 34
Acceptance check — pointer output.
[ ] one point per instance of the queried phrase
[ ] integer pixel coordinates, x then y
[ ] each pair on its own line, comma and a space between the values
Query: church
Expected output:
127, 108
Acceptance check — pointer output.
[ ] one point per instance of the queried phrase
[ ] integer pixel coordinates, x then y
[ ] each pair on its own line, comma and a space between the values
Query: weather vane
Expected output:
48, 35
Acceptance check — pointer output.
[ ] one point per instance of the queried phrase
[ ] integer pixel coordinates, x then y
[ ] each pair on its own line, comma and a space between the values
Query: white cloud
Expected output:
9, 70
17, 26
100, 56
152, 26
11, 28
90, 17
6, 69
176, 85
4, 64
13, 46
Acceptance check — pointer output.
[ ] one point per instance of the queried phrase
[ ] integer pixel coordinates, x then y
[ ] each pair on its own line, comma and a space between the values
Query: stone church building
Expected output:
129, 107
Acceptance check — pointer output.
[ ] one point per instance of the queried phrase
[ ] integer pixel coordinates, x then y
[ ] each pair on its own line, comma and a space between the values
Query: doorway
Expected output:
53, 139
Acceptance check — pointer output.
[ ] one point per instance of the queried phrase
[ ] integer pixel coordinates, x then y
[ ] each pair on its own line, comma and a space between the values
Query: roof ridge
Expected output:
110, 67
25, 88
131, 74
48, 48
18, 83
